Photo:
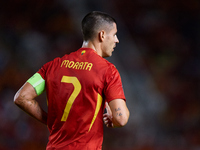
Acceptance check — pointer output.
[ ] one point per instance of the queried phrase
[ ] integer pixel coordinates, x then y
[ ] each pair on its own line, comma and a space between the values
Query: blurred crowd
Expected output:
164, 34
31, 34
167, 35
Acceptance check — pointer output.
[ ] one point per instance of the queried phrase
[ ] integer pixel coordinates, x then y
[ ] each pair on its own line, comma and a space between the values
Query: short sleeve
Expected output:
113, 86
38, 79
43, 71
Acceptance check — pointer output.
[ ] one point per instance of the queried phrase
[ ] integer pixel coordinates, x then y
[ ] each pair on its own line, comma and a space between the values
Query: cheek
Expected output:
108, 45
110, 42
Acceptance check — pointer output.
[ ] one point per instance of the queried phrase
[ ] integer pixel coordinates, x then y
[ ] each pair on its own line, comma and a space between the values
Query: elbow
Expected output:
17, 99
124, 121
121, 121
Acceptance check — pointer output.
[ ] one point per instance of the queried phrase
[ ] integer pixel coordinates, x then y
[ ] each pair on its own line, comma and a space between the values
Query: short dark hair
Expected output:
94, 21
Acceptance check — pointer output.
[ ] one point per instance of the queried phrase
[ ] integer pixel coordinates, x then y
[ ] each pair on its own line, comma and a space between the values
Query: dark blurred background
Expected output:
158, 58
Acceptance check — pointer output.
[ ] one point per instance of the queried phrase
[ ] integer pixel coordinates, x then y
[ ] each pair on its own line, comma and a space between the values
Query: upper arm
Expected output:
31, 89
25, 99
26, 92
120, 112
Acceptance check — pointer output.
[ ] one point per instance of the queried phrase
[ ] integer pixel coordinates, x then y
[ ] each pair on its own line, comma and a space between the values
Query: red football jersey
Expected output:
77, 86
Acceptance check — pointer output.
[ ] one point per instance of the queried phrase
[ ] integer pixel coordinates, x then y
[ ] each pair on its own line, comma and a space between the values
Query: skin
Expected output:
25, 99
117, 112
104, 43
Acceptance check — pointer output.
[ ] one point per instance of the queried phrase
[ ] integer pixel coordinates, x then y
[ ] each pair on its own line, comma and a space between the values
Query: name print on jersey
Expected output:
77, 65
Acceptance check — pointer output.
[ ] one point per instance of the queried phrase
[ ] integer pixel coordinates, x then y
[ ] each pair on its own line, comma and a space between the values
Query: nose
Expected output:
116, 40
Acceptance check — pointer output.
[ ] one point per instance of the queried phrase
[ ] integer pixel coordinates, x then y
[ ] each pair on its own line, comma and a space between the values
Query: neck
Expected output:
92, 45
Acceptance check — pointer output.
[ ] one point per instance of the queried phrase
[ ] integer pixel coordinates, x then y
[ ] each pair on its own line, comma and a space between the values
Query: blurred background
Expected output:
158, 58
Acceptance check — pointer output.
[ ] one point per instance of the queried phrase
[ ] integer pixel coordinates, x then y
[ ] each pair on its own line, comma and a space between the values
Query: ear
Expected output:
102, 35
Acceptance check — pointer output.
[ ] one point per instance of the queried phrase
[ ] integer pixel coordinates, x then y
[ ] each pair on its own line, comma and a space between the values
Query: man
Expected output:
79, 86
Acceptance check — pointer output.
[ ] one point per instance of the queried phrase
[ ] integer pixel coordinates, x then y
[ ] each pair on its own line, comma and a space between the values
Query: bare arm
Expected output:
117, 113
25, 99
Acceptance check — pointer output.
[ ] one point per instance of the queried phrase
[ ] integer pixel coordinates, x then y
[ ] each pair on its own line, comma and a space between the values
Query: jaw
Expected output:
107, 54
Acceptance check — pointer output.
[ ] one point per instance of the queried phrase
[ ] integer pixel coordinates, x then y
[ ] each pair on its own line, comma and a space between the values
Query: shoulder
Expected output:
49, 66
111, 67
103, 61
53, 62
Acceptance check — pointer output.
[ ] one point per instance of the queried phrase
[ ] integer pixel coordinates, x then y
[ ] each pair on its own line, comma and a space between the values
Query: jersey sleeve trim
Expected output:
38, 83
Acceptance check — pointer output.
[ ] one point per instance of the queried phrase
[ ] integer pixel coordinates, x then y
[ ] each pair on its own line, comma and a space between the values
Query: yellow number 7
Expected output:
76, 91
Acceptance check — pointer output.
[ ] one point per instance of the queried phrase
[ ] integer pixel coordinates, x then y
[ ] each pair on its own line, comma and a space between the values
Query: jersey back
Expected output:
77, 85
